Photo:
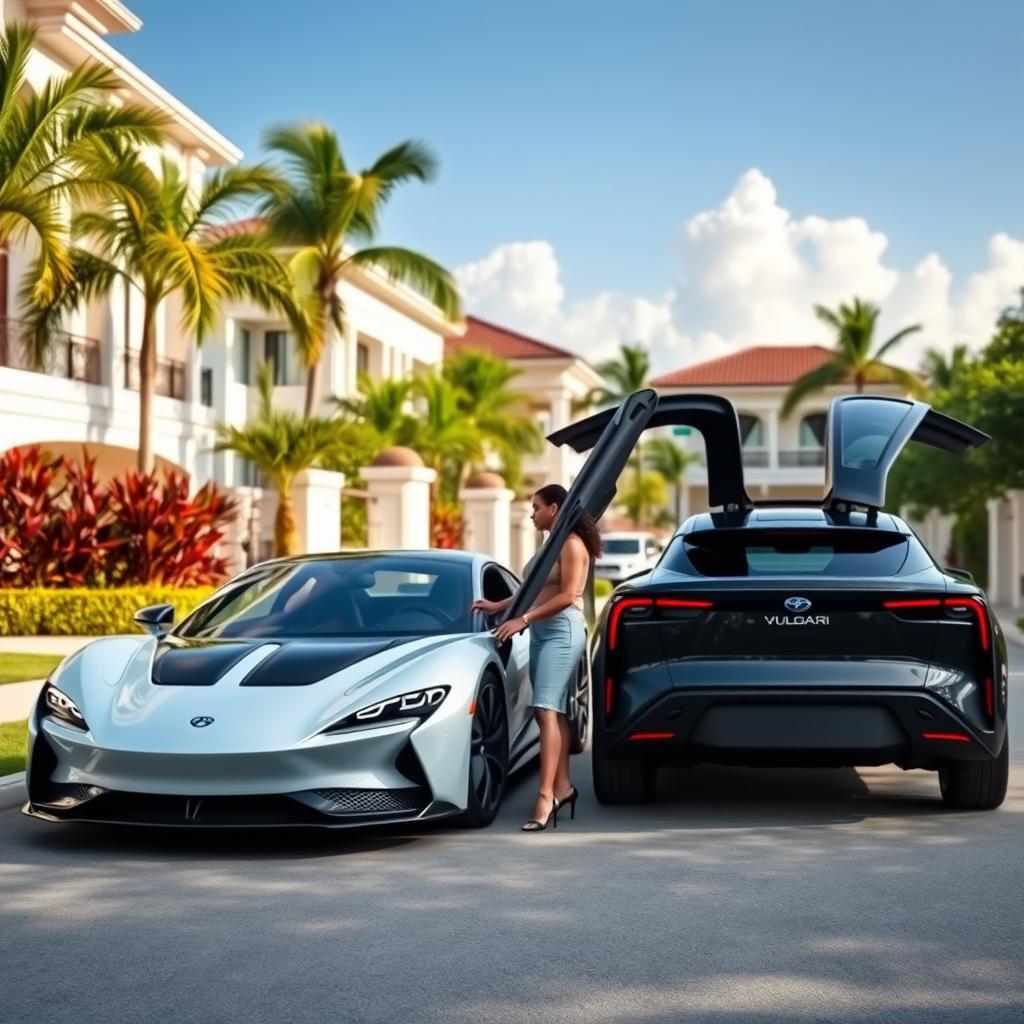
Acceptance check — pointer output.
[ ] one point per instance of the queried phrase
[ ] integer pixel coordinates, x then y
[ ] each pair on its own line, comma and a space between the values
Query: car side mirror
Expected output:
156, 618
962, 574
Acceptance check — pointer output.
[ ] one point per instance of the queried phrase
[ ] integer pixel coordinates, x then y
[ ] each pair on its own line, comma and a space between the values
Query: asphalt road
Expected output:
740, 895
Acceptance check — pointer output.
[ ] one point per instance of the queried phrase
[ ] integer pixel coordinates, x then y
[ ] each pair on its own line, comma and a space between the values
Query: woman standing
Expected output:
557, 641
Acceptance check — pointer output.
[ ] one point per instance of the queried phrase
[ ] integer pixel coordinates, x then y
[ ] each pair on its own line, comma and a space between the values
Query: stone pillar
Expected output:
524, 538
316, 495
398, 509
486, 502
241, 542
1002, 584
772, 437
1015, 499
994, 554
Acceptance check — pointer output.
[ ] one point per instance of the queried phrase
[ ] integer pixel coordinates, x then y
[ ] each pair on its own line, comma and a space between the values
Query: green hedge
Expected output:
42, 611
603, 588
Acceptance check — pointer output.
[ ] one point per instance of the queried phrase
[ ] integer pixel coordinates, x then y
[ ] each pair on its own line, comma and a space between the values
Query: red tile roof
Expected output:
502, 342
237, 227
758, 365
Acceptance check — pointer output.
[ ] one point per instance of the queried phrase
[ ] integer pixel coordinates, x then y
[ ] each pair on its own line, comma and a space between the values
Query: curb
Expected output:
12, 791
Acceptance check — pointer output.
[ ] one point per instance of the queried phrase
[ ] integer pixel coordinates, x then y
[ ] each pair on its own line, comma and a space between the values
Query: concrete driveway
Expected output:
741, 895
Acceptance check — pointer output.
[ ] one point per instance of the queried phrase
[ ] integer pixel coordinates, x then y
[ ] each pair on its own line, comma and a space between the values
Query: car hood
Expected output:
141, 694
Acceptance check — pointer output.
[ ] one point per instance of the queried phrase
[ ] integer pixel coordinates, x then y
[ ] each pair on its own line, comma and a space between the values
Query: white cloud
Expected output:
750, 273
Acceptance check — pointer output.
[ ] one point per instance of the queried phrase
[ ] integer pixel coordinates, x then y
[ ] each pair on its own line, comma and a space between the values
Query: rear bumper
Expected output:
805, 726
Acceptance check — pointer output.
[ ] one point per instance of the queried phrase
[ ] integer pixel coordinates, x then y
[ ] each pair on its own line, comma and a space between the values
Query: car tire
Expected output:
579, 712
976, 785
488, 756
619, 781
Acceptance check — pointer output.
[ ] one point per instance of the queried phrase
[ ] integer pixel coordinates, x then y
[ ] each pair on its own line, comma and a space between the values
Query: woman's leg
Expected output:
563, 783
550, 756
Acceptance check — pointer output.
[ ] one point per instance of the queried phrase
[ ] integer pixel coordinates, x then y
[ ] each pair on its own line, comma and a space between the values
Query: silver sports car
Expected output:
333, 690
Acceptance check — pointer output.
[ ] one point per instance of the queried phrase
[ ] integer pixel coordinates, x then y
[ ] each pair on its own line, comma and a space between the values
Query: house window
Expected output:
279, 351
751, 431
244, 356
812, 431
362, 358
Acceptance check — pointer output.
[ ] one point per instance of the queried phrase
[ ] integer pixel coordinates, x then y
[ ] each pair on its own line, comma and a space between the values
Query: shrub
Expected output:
603, 588
447, 525
87, 611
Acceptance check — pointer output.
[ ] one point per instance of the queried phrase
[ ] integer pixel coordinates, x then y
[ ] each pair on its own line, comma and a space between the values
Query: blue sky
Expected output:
602, 129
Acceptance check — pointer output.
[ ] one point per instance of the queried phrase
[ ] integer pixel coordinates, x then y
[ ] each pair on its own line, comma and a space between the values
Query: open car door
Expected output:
612, 435
865, 433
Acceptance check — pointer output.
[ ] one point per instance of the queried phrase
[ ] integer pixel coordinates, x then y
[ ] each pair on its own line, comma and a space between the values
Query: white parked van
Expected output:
625, 554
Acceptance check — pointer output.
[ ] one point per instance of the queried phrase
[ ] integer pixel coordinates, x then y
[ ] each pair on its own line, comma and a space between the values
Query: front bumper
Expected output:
798, 726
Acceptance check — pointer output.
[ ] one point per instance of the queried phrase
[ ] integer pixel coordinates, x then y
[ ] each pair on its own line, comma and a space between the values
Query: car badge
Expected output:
797, 604
201, 721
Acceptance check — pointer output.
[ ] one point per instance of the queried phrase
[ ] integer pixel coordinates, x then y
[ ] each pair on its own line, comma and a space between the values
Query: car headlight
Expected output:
62, 707
418, 704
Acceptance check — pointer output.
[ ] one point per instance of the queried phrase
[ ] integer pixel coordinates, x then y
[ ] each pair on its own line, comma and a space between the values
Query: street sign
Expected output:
682, 431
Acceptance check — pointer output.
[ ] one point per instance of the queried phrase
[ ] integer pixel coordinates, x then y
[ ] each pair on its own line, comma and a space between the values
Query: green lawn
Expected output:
16, 668
12, 747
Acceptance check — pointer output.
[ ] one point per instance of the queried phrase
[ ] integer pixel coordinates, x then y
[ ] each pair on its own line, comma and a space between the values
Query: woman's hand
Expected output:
487, 607
509, 629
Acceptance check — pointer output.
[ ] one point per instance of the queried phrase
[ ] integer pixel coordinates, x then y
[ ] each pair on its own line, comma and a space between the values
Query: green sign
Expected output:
682, 431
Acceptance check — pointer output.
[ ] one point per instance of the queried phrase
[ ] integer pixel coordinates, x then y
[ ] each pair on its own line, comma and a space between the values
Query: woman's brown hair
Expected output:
585, 528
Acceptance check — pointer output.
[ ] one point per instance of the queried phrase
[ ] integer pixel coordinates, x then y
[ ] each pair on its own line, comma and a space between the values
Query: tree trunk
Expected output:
4, 335
312, 388
285, 527
679, 501
639, 485
147, 389
858, 381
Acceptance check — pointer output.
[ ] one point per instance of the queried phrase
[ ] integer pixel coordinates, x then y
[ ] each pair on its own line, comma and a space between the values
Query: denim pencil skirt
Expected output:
556, 646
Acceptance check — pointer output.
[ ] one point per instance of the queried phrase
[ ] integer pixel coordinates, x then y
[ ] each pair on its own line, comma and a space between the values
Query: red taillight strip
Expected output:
988, 696
652, 736
620, 607
956, 737
930, 603
672, 602
979, 609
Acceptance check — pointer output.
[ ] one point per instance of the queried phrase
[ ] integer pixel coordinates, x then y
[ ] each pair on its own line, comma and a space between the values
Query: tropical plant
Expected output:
165, 536
942, 371
855, 357
623, 376
47, 139
646, 491
161, 239
281, 444
381, 406
485, 398
324, 211
671, 462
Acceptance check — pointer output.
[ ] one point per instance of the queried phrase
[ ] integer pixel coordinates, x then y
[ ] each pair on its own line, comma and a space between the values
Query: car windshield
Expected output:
375, 595
622, 546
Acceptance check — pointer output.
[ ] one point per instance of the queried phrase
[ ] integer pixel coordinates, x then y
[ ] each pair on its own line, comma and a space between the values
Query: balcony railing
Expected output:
802, 457
170, 376
755, 456
68, 355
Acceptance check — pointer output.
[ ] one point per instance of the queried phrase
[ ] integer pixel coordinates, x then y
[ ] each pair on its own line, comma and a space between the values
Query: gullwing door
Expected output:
611, 436
865, 433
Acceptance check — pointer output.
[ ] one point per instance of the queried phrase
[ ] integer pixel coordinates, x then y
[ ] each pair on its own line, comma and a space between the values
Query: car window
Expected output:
496, 585
622, 546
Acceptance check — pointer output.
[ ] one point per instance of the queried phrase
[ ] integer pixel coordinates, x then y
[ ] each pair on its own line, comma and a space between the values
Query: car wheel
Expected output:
488, 756
579, 712
623, 782
976, 785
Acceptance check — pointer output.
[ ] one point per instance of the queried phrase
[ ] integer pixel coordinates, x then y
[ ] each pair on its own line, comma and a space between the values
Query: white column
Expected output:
398, 509
772, 440
524, 538
488, 523
994, 553
316, 494
1016, 568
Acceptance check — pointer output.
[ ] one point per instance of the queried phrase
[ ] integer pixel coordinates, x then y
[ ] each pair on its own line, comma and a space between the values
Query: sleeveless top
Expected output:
555, 579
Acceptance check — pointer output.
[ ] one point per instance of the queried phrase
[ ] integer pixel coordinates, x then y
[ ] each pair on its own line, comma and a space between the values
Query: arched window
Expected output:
751, 431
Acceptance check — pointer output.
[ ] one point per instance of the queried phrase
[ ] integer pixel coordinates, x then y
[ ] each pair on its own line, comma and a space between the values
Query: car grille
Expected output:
371, 801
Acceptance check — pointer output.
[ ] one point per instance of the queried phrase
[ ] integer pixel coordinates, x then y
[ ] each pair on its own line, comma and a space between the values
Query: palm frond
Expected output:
415, 269
815, 380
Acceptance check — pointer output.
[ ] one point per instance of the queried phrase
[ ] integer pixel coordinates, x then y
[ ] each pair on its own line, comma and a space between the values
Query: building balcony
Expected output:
754, 456
69, 355
170, 376
802, 457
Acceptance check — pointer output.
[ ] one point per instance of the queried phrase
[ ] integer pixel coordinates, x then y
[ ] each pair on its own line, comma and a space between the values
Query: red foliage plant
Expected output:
60, 527
169, 538
447, 526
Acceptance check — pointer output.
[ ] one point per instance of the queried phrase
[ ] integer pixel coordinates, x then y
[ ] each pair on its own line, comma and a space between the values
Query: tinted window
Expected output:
845, 552
621, 546
380, 595
867, 428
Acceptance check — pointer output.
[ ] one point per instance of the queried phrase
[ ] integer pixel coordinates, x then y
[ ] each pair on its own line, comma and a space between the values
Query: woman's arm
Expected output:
490, 607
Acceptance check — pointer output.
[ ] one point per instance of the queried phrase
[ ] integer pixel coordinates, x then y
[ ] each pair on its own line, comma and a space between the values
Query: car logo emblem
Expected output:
797, 604
201, 721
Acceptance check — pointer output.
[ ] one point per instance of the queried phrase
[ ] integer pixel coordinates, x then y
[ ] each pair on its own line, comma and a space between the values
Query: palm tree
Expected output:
324, 210
45, 140
942, 372
161, 239
625, 375
855, 356
281, 444
382, 407
666, 458
486, 400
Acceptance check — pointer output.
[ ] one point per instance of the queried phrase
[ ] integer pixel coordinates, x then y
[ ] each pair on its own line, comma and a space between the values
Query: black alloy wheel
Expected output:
579, 711
488, 756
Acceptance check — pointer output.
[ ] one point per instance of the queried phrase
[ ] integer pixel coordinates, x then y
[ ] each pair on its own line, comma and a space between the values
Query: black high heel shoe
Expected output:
533, 825
571, 801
